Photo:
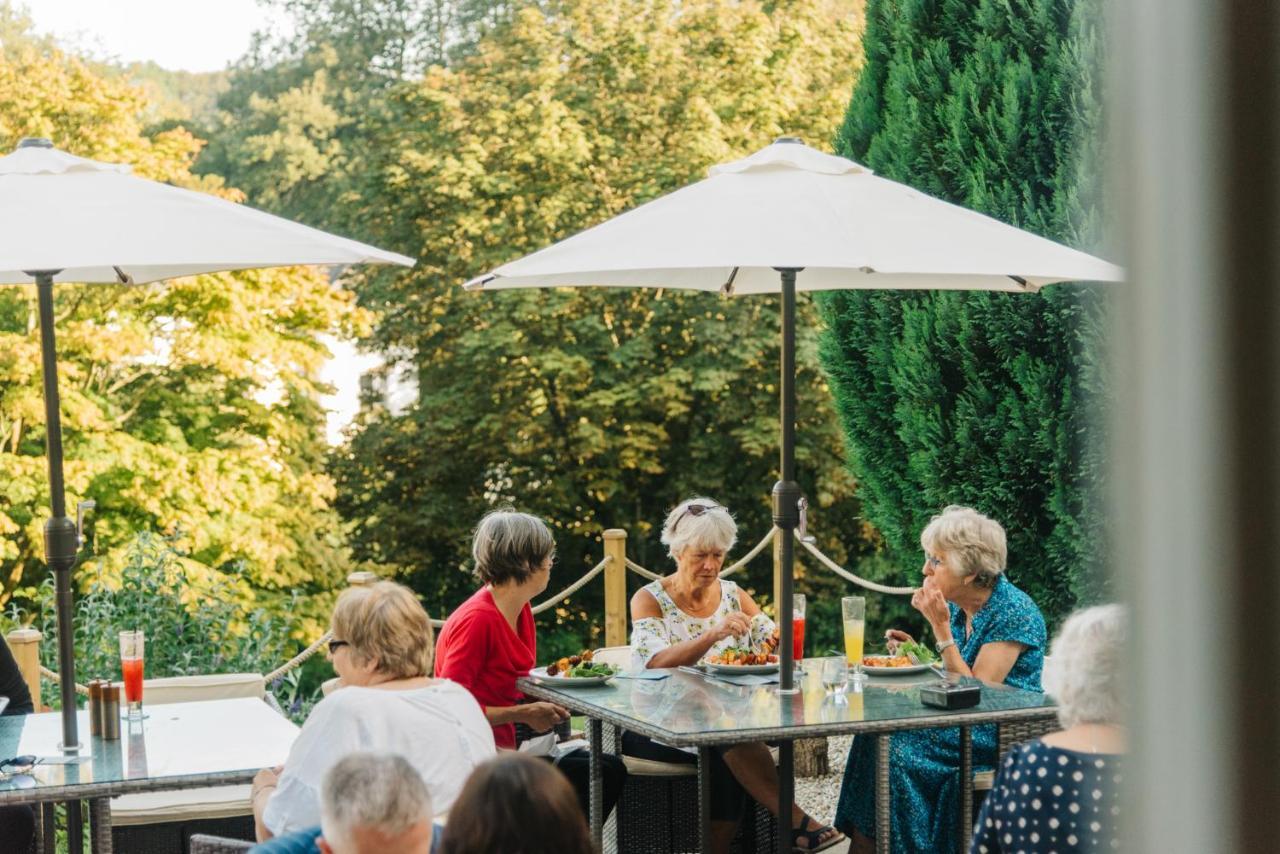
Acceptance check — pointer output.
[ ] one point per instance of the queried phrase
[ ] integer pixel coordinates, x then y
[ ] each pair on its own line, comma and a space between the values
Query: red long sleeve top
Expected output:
477, 649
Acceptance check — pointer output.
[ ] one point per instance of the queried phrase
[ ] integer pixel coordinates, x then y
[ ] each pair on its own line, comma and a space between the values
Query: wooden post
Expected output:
363, 579
25, 644
615, 587
811, 757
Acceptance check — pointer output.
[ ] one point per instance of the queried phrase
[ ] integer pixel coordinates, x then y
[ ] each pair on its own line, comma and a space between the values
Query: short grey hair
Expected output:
509, 546
1083, 671
381, 791
714, 528
974, 543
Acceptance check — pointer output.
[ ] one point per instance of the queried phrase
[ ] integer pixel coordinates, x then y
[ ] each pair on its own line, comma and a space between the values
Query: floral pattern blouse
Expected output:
651, 635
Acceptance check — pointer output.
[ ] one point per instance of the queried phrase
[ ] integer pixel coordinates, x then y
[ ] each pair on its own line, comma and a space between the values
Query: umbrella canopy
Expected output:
68, 219
790, 206
95, 222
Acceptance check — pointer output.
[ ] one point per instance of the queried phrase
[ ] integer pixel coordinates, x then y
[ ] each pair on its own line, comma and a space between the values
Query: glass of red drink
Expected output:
797, 626
132, 645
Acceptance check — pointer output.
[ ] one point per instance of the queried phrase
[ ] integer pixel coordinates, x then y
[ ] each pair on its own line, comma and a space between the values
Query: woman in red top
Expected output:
490, 641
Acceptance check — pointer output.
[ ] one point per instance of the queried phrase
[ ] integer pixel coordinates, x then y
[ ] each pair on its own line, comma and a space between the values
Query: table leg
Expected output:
883, 828
966, 787
75, 828
100, 825
595, 785
786, 794
704, 800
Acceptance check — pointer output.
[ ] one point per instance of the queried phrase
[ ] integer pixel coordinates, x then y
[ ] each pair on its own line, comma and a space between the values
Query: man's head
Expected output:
372, 803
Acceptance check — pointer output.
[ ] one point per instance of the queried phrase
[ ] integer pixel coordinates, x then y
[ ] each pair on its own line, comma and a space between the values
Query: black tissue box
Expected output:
945, 695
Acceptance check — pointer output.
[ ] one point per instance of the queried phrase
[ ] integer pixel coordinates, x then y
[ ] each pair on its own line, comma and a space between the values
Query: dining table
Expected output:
700, 709
176, 746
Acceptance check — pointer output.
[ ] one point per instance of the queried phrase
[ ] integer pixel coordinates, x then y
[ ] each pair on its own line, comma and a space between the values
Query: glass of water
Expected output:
835, 676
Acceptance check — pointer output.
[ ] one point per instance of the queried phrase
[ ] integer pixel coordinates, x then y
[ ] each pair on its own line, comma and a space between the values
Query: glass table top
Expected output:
689, 709
176, 740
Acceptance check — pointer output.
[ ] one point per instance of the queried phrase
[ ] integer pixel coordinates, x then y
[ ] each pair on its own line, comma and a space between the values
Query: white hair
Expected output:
373, 790
974, 543
1083, 670
712, 528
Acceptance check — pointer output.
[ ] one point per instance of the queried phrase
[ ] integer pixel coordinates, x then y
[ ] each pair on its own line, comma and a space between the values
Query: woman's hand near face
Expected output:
929, 601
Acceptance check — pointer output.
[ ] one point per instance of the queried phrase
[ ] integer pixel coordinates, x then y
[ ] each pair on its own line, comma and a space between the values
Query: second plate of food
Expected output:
771, 667
890, 665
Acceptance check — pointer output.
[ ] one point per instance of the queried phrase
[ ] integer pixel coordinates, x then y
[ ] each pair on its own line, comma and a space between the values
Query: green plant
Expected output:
193, 622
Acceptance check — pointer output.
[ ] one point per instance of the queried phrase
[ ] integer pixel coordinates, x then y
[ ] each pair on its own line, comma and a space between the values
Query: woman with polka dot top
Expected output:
1060, 793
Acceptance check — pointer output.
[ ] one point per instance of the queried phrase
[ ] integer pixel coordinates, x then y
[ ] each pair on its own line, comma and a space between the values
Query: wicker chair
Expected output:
203, 844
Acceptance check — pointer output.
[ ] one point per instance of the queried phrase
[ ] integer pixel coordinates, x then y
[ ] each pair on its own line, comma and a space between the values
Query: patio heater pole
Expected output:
786, 517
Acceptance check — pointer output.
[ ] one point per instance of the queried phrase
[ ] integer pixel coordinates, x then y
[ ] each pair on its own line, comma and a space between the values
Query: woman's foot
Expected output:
811, 836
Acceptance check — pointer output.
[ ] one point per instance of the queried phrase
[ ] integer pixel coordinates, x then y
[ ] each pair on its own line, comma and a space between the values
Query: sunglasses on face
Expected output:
335, 645
694, 510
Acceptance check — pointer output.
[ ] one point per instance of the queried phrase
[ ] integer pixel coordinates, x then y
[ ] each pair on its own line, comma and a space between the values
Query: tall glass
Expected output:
854, 611
797, 626
132, 646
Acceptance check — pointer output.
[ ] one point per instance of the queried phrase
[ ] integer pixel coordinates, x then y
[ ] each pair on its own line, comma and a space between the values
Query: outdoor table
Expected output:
687, 710
178, 746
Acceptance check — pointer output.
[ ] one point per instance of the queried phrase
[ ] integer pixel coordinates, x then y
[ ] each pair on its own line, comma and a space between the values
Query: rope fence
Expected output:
552, 601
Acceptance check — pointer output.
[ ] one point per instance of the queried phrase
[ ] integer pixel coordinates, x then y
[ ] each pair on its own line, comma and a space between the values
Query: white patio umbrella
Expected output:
755, 224
67, 219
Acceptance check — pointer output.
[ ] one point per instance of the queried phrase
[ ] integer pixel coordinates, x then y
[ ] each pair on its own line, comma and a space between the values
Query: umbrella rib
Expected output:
726, 290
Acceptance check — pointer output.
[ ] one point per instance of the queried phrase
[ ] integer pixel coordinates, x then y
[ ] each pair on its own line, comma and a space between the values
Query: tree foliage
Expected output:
594, 408
982, 399
187, 407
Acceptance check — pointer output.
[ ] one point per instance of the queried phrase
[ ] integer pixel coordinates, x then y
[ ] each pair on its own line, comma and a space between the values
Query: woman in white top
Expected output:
693, 614
382, 649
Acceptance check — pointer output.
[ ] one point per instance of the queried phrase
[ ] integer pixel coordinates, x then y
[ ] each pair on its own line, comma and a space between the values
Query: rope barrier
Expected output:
44, 671
572, 588
640, 570
297, 659
849, 576
745, 559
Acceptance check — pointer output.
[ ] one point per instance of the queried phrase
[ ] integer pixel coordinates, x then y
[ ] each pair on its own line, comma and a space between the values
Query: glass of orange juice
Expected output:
854, 611
132, 646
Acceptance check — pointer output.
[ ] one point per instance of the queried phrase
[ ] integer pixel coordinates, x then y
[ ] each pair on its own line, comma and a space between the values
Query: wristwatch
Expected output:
941, 646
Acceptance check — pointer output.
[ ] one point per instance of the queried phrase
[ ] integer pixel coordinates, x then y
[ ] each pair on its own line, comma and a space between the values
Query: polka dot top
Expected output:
1049, 799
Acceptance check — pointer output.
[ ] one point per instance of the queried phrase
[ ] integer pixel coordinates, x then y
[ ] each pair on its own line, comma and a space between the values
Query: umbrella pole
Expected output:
786, 517
61, 539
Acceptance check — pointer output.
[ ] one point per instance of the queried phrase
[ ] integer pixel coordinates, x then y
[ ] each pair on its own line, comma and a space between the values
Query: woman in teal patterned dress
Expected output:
983, 627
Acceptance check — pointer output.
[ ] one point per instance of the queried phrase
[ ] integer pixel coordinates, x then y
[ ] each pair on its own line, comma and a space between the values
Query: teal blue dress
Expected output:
924, 785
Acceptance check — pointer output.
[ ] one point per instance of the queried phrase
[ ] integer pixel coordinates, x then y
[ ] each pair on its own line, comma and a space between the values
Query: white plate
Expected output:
894, 671
743, 668
569, 681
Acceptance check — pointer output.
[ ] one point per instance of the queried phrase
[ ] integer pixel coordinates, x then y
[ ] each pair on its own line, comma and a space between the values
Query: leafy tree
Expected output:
189, 407
982, 399
592, 408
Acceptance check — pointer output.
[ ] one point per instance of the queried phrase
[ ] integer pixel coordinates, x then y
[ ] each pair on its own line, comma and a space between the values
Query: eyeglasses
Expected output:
933, 561
335, 645
694, 510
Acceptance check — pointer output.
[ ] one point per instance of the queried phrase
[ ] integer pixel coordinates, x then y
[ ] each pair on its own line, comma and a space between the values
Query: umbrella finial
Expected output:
788, 139
35, 142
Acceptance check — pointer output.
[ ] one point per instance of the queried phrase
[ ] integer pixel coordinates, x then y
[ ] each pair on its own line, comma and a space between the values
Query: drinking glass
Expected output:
835, 676
132, 645
854, 611
797, 627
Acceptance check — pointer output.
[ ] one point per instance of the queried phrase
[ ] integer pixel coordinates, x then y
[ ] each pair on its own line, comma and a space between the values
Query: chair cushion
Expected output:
654, 768
191, 689
181, 805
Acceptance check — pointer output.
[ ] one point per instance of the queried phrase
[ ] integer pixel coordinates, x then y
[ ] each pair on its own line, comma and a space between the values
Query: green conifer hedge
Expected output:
989, 400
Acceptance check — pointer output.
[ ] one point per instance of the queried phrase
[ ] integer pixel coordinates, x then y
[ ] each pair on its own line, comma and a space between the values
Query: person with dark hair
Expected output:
17, 823
490, 641
517, 805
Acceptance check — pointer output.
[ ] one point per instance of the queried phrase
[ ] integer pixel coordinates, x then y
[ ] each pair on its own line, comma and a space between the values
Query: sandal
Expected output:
812, 839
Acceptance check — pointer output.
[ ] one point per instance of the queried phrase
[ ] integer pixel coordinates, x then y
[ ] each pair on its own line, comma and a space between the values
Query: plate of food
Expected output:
890, 665
575, 670
736, 660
